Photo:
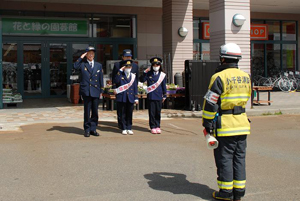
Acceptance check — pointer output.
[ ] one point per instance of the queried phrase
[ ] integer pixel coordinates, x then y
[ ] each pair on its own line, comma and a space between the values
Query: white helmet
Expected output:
231, 51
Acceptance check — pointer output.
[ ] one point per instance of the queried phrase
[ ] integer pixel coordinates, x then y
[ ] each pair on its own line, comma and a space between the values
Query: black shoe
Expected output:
218, 197
86, 134
94, 133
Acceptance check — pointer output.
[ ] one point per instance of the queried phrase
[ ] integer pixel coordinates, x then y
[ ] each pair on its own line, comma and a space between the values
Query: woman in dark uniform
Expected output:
126, 96
156, 92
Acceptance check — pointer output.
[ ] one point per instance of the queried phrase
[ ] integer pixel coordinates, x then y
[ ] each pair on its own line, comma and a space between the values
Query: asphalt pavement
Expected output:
53, 161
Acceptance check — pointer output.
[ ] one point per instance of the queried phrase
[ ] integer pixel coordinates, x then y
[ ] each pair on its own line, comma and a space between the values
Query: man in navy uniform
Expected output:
91, 88
126, 96
127, 55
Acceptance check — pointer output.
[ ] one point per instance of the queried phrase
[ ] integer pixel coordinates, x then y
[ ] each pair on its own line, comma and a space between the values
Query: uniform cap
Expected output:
126, 63
90, 48
127, 53
155, 60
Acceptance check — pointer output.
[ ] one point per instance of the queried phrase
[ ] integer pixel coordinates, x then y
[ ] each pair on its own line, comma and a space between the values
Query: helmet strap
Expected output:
222, 60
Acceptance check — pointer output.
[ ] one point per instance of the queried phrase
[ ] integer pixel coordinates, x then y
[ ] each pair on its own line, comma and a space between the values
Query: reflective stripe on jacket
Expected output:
233, 87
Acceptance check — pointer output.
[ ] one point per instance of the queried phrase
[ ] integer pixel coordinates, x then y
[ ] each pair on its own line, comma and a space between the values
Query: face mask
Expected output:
156, 68
127, 70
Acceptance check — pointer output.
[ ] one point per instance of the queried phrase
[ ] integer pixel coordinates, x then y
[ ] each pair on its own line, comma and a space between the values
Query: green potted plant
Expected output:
141, 90
111, 91
107, 88
171, 88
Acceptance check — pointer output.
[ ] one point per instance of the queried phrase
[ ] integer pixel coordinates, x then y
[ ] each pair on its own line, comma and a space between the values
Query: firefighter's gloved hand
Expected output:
209, 130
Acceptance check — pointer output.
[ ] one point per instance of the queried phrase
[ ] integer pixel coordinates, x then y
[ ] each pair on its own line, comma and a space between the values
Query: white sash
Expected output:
124, 87
155, 85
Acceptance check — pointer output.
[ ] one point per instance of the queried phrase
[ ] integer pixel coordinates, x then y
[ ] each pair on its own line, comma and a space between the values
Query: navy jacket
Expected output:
128, 95
91, 79
134, 70
160, 92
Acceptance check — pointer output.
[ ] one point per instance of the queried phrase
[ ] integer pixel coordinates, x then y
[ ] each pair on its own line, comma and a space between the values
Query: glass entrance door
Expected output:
58, 69
32, 69
44, 69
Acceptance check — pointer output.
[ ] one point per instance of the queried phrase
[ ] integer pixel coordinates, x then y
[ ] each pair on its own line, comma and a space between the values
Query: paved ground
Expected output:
55, 162
61, 111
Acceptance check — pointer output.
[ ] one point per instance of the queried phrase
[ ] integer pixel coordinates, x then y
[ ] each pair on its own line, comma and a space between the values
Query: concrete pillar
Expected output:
222, 30
176, 14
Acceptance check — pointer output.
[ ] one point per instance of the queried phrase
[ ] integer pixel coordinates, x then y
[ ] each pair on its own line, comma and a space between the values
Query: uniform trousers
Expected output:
90, 121
230, 161
154, 110
124, 112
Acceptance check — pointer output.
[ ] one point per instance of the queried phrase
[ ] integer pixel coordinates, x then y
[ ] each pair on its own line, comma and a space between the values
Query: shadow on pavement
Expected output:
177, 184
103, 126
108, 126
70, 130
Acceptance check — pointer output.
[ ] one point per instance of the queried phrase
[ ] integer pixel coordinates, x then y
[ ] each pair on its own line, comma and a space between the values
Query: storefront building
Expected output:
38, 54
274, 45
41, 40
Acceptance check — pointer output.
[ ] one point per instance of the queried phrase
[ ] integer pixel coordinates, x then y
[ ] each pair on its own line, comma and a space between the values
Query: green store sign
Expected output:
44, 27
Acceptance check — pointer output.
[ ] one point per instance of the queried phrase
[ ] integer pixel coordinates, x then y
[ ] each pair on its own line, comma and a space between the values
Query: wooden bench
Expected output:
259, 89
106, 98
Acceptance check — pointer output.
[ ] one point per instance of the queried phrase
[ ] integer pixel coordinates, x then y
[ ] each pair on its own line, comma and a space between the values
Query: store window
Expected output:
273, 30
201, 51
201, 47
104, 53
289, 57
279, 52
288, 30
114, 27
196, 51
205, 47
196, 29
258, 59
9, 65
270, 55
273, 59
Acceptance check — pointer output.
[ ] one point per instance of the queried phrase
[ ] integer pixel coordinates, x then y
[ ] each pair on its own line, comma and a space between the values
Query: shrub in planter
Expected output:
171, 88
107, 88
111, 91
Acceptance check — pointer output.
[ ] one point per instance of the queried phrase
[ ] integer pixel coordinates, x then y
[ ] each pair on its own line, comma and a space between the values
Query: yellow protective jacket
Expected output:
228, 93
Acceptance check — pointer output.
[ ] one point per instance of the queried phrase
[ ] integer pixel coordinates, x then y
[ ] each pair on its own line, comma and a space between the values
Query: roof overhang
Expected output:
267, 6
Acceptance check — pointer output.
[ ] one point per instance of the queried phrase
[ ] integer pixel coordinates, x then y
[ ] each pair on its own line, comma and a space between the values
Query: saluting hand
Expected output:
83, 55
122, 69
147, 70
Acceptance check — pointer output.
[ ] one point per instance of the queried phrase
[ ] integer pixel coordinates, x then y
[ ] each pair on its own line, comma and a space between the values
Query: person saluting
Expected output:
91, 88
126, 96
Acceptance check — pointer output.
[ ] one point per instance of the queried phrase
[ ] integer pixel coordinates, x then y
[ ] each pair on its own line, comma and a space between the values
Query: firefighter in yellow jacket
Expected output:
224, 117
